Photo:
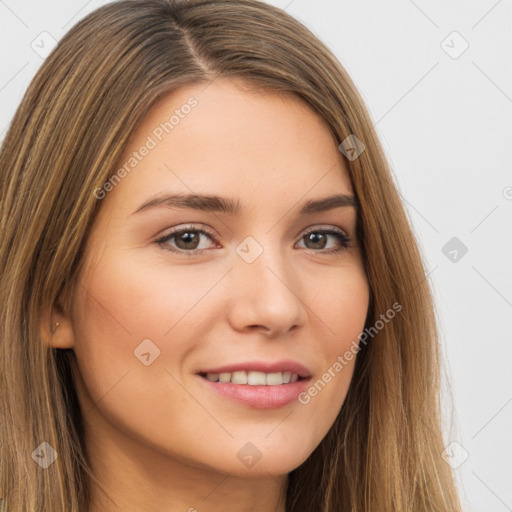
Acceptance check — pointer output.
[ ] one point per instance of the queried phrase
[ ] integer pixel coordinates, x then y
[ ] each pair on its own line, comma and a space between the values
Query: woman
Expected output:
211, 296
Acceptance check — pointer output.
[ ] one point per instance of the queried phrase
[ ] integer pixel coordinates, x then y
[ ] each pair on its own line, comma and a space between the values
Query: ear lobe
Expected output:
56, 328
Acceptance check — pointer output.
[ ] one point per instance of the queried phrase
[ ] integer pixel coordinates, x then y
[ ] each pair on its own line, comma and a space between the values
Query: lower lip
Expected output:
259, 397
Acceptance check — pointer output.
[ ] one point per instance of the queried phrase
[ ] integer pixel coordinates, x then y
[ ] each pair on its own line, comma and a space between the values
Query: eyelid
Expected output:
326, 227
184, 227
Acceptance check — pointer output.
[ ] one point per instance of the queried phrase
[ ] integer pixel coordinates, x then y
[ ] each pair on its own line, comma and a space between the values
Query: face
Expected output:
181, 301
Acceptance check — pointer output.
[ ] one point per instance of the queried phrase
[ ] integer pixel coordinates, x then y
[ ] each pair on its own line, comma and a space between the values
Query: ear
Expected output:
56, 328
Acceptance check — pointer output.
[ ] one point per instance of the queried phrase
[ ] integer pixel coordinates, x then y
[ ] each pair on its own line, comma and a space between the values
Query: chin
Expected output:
263, 458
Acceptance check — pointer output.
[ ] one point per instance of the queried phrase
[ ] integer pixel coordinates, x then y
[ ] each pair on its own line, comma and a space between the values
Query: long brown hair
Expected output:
383, 452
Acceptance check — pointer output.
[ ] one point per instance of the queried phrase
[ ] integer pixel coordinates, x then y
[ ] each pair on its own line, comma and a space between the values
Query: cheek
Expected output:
341, 308
119, 308
338, 301
345, 304
129, 299
125, 301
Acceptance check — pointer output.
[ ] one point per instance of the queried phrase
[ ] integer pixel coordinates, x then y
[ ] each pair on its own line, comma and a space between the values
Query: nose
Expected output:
265, 296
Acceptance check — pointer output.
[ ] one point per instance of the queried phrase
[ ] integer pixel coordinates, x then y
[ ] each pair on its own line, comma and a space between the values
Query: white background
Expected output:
445, 124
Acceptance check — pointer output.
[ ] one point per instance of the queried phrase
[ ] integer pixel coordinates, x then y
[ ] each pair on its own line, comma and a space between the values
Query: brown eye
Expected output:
186, 241
317, 240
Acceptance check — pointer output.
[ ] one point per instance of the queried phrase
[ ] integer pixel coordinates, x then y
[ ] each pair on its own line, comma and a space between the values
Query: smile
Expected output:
254, 389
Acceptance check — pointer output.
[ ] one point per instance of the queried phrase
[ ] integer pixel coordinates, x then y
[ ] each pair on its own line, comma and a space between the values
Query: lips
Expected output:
258, 384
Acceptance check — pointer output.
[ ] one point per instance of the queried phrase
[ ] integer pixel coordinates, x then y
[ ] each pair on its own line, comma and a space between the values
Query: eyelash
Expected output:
340, 235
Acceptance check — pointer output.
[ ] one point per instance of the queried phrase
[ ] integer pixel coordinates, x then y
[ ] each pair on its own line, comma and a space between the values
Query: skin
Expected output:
156, 436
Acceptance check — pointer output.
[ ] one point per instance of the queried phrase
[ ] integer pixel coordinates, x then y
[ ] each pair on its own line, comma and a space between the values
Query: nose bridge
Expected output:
266, 293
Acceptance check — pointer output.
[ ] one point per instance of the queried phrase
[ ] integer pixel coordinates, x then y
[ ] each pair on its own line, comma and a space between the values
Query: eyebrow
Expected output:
233, 207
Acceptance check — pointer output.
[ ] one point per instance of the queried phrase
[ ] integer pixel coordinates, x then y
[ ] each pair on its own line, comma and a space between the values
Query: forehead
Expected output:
224, 136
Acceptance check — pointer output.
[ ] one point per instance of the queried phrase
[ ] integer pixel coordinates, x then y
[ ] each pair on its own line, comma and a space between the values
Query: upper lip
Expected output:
263, 366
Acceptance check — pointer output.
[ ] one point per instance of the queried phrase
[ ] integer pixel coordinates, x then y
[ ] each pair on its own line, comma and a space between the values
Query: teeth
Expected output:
254, 378
238, 377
